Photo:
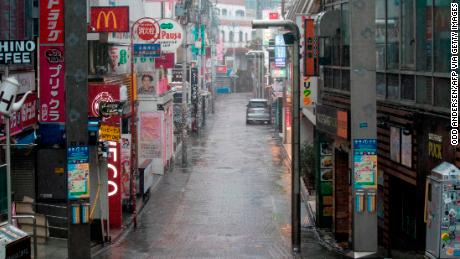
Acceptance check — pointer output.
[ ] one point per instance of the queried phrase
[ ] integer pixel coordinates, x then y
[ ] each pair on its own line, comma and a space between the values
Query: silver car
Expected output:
258, 111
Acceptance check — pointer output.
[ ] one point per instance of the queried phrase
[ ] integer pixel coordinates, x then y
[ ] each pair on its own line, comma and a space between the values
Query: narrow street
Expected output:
232, 201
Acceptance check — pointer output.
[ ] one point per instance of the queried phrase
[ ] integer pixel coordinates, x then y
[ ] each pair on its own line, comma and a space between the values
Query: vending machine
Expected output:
442, 212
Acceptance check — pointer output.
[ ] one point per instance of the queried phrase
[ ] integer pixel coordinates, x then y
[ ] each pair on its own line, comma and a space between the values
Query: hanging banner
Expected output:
110, 19
52, 91
78, 173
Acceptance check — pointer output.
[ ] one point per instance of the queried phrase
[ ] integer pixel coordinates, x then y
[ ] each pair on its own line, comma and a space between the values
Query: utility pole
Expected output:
76, 106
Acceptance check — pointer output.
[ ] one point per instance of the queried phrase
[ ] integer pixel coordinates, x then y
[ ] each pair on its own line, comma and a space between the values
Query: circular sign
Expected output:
171, 35
148, 30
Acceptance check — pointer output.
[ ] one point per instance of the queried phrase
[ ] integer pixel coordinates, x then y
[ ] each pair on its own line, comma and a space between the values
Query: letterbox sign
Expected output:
16, 51
171, 35
110, 19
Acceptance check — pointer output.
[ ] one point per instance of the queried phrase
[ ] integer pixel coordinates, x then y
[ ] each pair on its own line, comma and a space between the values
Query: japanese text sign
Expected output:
78, 172
52, 22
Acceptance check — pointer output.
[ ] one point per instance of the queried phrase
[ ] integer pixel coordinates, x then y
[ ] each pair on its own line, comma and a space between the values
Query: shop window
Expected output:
345, 29
217, 11
336, 49
441, 92
346, 80
393, 24
424, 30
424, 90
224, 12
336, 79
239, 13
380, 34
395, 144
442, 35
246, 37
241, 36
408, 87
223, 36
393, 86
230, 36
407, 34
381, 85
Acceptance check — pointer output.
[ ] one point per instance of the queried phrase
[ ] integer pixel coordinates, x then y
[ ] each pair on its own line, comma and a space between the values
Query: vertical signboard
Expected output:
311, 49
365, 163
194, 88
78, 173
51, 57
309, 91
150, 136
125, 157
114, 192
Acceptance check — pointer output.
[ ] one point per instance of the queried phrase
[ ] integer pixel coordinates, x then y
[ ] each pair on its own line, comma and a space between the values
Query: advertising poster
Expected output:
24, 118
78, 173
98, 93
146, 84
119, 60
150, 135
365, 163
125, 148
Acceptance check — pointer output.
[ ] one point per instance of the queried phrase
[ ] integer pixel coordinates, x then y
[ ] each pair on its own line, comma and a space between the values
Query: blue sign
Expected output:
280, 62
147, 50
78, 173
365, 146
78, 155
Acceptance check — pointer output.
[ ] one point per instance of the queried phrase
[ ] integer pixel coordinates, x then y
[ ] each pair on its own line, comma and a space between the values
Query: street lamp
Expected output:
293, 39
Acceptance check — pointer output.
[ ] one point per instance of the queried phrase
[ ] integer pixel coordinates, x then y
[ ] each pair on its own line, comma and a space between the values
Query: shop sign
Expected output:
52, 92
221, 69
342, 124
194, 84
16, 51
25, 117
100, 93
274, 16
166, 60
326, 119
278, 73
114, 185
147, 29
107, 109
147, 50
109, 133
125, 155
309, 91
171, 35
78, 172
311, 49
177, 74
365, 163
110, 19
52, 22
435, 146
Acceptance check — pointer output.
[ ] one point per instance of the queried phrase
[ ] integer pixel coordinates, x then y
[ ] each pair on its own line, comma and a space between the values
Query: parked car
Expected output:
258, 111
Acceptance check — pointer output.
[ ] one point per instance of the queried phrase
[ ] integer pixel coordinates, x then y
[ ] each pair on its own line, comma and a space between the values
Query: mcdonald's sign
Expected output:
110, 19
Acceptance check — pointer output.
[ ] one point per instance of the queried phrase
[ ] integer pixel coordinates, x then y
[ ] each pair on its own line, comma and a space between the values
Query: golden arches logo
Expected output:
106, 16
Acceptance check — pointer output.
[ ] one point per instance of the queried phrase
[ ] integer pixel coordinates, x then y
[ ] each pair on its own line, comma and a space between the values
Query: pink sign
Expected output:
52, 22
52, 91
165, 61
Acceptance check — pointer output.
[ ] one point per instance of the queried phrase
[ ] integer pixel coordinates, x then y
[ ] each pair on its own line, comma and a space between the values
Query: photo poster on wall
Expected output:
406, 150
365, 163
125, 154
326, 162
78, 173
150, 135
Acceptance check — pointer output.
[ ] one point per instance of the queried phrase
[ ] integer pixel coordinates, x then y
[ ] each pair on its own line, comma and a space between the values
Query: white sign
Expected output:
171, 35
16, 51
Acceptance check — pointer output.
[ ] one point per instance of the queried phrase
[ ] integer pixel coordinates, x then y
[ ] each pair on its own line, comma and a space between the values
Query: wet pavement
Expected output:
232, 201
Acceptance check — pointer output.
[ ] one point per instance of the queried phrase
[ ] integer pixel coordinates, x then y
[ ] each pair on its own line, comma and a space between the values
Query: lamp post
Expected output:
295, 160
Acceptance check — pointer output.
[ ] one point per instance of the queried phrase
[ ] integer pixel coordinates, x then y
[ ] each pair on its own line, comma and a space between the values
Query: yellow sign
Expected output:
106, 19
109, 133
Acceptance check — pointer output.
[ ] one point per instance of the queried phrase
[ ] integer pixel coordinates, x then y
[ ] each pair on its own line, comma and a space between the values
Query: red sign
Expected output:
165, 61
25, 117
51, 21
98, 93
110, 19
221, 69
114, 185
274, 16
311, 49
52, 92
148, 30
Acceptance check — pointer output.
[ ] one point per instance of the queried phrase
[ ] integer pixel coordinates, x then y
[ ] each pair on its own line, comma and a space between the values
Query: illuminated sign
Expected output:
110, 19
171, 35
114, 184
147, 29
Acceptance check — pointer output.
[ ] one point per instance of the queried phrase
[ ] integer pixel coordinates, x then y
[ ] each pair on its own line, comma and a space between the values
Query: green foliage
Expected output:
307, 162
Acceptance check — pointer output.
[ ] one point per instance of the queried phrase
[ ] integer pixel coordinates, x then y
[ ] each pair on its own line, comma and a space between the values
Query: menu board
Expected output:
326, 162
365, 163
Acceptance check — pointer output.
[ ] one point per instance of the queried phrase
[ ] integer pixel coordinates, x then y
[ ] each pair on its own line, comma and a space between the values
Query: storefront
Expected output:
333, 188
